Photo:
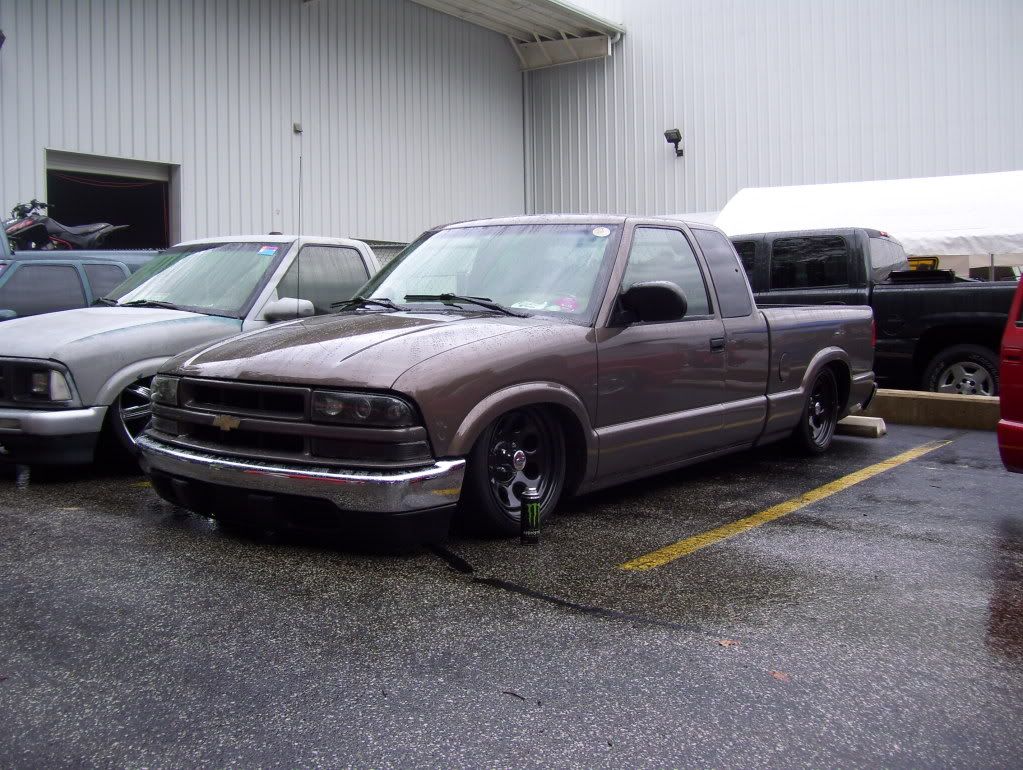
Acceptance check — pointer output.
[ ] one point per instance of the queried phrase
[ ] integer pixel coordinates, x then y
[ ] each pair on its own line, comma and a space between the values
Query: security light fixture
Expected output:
674, 136
3, 37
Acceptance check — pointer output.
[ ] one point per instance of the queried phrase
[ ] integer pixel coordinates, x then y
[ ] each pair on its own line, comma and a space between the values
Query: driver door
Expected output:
660, 384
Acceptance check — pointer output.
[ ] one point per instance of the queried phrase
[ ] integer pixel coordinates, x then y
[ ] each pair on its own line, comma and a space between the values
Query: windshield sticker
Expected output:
601, 232
268, 251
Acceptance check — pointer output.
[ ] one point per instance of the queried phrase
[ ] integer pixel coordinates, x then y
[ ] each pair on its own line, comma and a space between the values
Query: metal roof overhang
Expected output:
544, 33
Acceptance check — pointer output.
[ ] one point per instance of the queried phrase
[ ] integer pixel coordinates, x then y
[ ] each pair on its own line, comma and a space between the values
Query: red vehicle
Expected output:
1010, 427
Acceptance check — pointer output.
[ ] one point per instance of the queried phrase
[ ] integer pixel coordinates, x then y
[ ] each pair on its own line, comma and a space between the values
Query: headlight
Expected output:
362, 409
164, 390
48, 385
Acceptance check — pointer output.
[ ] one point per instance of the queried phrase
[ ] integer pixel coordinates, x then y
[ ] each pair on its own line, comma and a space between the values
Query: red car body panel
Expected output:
1010, 427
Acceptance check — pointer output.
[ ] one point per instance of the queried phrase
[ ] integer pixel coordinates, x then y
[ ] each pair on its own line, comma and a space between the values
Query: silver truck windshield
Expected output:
219, 278
531, 269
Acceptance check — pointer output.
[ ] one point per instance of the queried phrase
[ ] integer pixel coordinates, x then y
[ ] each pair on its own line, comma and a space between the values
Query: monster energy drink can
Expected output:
529, 516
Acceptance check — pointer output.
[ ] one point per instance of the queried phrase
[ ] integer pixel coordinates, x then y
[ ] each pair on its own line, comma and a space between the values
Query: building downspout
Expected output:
528, 201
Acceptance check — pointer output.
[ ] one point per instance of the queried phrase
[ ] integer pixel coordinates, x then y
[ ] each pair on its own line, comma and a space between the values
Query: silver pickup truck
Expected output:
71, 377
557, 354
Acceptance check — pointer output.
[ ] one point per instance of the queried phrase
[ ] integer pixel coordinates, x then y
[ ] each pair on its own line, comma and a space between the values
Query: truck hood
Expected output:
369, 350
72, 336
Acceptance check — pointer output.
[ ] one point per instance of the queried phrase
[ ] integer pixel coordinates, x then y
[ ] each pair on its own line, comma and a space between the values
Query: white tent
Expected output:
967, 221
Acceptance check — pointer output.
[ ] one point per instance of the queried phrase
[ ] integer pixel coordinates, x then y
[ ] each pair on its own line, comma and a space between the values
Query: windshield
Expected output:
218, 278
533, 269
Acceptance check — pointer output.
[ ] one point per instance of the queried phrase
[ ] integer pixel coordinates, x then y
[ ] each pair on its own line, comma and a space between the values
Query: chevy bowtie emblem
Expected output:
226, 422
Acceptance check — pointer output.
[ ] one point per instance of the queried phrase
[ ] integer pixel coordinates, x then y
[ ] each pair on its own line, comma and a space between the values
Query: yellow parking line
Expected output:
669, 553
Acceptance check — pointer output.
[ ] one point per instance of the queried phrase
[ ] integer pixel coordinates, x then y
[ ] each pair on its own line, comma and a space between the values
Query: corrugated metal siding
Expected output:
410, 117
780, 92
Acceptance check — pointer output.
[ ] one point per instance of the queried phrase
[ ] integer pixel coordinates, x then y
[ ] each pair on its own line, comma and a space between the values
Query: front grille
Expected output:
271, 422
245, 398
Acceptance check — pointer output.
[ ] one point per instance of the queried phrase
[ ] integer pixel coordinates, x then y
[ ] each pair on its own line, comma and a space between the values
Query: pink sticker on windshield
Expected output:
268, 251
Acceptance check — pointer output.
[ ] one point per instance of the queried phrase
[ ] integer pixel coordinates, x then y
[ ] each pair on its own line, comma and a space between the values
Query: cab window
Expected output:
665, 255
324, 275
33, 289
809, 262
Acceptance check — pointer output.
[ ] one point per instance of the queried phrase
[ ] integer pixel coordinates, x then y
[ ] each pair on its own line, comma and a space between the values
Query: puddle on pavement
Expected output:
1005, 607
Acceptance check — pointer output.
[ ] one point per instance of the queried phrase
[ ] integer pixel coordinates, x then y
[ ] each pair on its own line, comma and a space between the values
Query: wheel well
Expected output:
937, 339
844, 379
575, 444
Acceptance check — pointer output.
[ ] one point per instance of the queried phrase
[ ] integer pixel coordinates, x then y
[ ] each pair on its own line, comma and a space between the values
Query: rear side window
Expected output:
885, 256
729, 280
748, 254
103, 278
324, 275
809, 261
34, 289
665, 255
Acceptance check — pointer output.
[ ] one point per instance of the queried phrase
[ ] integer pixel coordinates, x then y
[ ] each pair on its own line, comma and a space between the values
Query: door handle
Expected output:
717, 345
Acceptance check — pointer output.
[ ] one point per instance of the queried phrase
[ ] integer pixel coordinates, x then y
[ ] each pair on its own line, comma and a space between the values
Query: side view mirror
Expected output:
287, 309
654, 301
7, 315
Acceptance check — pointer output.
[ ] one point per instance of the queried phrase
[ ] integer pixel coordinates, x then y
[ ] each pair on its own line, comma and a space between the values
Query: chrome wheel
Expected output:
134, 409
966, 378
522, 455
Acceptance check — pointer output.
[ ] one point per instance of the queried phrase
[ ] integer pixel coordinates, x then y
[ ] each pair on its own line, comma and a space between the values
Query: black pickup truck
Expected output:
934, 331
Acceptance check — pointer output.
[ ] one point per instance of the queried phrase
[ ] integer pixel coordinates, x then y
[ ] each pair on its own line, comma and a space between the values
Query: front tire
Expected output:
816, 428
969, 370
524, 448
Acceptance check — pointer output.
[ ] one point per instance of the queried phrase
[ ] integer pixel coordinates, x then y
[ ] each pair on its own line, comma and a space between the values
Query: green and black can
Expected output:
529, 516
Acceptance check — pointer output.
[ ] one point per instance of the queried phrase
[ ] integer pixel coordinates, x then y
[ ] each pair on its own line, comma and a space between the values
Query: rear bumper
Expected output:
1010, 444
861, 391
349, 491
56, 437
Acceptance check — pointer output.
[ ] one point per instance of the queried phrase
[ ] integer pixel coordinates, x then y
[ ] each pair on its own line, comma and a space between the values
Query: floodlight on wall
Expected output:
3, 37
674, 136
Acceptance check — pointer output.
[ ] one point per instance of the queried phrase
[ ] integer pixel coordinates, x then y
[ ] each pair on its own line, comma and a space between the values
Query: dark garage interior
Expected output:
80, 199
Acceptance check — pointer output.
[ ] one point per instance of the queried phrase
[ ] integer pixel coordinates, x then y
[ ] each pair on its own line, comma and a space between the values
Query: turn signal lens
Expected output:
362, 409
59, 388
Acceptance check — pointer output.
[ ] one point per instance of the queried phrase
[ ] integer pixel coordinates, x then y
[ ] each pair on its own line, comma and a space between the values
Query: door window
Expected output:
665, 255
809, 261
324, 275
103, 278
729, 279
34, 289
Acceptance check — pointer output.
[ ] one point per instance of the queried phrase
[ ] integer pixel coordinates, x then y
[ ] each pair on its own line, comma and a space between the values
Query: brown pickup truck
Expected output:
561, 354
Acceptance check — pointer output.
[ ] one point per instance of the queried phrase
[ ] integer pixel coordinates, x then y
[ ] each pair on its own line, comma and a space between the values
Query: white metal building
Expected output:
378, 118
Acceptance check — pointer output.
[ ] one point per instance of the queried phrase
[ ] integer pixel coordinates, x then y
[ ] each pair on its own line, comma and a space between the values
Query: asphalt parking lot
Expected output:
876, 623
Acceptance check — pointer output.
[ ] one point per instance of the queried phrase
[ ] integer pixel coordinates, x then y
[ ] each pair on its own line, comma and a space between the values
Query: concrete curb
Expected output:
938, 410
863, 427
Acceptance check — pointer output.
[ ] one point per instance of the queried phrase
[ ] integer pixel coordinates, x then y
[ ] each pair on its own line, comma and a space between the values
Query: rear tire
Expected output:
522, 448
969, 370
816, 428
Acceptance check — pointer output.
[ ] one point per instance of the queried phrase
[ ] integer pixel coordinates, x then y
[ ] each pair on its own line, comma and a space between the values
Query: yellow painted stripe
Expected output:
669, 553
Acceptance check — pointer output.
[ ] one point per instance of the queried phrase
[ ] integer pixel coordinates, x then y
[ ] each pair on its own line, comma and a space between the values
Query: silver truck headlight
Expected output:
49, 385
367, 409
164, 390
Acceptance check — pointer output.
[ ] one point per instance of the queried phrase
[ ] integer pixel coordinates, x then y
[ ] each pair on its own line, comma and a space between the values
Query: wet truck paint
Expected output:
1010, 427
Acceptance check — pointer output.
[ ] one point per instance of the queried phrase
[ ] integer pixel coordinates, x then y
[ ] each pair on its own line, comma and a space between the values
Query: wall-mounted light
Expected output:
674, 136
3, 37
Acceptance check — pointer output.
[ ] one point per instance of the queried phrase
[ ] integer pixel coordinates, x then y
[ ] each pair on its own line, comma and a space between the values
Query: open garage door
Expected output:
82, 189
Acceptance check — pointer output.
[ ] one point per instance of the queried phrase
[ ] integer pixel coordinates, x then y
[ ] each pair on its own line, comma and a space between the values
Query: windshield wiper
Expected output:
150, 303
454, 299
363, 301
104, 301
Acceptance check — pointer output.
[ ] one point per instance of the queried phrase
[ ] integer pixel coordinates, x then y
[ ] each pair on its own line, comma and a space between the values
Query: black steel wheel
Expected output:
522, 449
817, 425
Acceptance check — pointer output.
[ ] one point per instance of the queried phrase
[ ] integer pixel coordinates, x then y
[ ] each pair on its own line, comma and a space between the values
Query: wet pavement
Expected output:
881, 626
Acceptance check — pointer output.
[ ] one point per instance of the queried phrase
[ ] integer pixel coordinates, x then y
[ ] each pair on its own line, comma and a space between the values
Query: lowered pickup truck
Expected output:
561, 354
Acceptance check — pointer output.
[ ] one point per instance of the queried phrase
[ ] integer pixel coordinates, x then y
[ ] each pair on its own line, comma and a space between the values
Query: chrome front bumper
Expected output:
350, 490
